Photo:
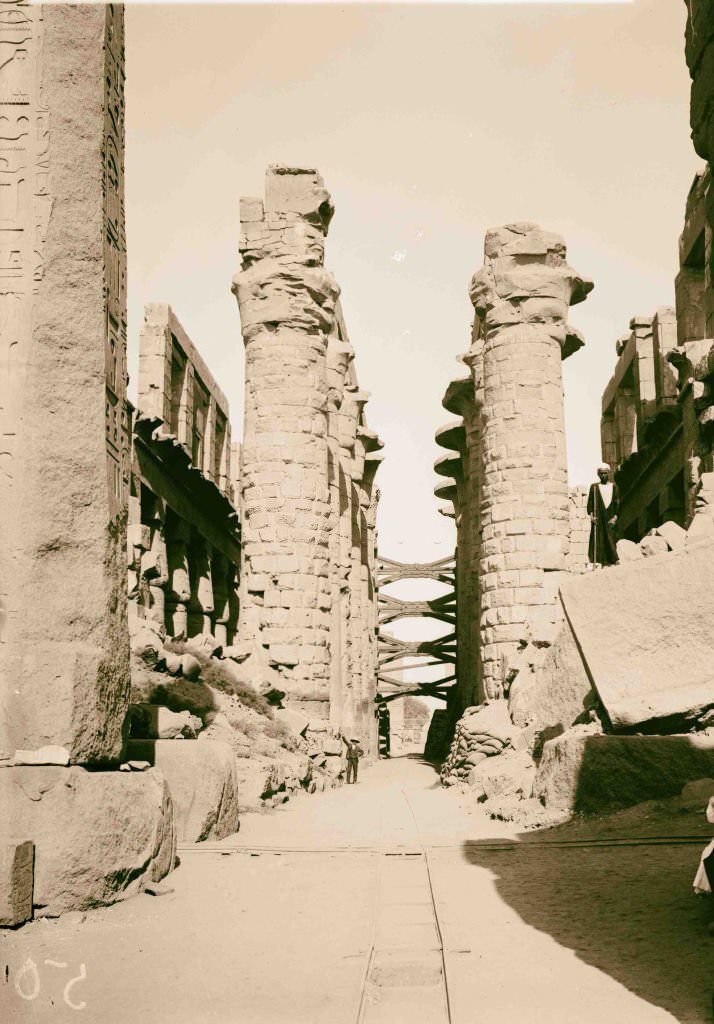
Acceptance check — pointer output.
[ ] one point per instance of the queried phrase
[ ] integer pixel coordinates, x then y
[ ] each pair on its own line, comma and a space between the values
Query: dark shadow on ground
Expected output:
627, 910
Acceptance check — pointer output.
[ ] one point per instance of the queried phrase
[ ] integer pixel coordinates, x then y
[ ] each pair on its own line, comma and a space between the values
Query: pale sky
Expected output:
429, 124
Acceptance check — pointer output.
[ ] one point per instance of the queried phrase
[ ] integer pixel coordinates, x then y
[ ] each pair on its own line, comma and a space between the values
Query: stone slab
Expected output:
645, 632
17, 864
588, 774
203, 783
99, 836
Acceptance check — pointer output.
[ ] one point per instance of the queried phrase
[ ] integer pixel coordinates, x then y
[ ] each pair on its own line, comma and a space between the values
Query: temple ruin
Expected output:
160, 582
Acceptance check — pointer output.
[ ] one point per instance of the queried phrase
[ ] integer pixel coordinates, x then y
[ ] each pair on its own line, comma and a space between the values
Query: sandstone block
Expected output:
589, 774
628, 551
98, 835
203, 784
675, 536
653, 544
645, 632
45, 755
292, 720
509, 774
190, 666
17, 873
155, 722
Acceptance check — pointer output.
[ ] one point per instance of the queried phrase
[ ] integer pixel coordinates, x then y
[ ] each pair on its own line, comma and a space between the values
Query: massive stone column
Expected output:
521, 298
64, 648
287, 307
65, 437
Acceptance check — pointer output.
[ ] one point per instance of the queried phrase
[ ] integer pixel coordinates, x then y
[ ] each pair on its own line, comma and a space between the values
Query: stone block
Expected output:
644, 631
653, 544
508, 774
203, 784
675, 536
17, 874
99, 836
292, 720
155, 722
628, 551
590, 774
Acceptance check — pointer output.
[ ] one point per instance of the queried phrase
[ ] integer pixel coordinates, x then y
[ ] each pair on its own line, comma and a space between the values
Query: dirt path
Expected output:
323, 913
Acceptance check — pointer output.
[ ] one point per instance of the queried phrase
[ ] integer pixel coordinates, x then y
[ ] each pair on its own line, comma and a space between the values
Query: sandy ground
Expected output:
281, 923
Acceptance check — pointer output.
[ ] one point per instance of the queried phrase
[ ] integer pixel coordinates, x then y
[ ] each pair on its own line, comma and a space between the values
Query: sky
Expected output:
430, 124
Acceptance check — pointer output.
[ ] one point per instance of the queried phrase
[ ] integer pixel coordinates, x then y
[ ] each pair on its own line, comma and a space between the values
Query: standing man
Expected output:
354, 753
603, 506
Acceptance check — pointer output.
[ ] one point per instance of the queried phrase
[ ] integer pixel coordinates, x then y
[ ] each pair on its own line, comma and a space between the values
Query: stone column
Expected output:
521, 298
287, 307
64, 472
178, 536
64, 463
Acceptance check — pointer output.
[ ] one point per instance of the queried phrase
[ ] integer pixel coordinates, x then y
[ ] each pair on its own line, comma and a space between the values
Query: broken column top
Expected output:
291, 222
526, 279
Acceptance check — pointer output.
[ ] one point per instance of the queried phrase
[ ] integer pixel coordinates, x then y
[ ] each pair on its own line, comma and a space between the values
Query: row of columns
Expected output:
176, 580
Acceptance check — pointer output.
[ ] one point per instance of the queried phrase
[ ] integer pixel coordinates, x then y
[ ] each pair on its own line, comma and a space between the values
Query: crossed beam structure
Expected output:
394, 654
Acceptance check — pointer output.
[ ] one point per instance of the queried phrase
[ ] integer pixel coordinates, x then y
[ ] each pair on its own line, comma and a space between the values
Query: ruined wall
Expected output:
184, 540
308, 462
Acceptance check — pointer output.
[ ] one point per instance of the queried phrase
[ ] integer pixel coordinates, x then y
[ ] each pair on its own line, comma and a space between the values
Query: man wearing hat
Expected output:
603, 506
354, 753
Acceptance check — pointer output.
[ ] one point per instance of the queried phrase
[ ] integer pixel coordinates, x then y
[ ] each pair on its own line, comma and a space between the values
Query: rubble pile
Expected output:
198, 690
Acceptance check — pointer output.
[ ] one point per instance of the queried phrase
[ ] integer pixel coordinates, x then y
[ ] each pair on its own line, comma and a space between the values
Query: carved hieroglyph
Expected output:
63, 433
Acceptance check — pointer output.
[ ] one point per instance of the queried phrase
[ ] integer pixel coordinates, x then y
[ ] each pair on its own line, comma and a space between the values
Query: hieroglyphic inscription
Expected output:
117, 425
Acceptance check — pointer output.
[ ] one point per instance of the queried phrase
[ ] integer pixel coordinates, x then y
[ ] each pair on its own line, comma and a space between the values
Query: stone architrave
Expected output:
521, 298
64, 463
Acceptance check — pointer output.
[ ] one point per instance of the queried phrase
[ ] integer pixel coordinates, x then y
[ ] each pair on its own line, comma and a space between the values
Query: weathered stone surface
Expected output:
292, 720
557, 693
45, 755
587, 773
521, 298
645, 633
98, 835
673, 533
203, 784
628, 551
63, 489
17, 873
155, 722
653, 544
508, 774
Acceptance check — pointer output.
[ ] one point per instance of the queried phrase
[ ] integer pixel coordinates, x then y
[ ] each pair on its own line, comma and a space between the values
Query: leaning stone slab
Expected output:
99, 836
203, 783
587, 774
645, 633
17, 862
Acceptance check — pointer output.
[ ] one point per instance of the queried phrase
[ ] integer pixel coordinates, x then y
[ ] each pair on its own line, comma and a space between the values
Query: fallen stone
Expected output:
509, 774
332, 745
190, 666
292, 720
673, 533
99, 836
138, 766
45, 755
653, 544
588, 773
172, 662
645, 633
205, 644
628, 551
202, 780
154, 721
17, 864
